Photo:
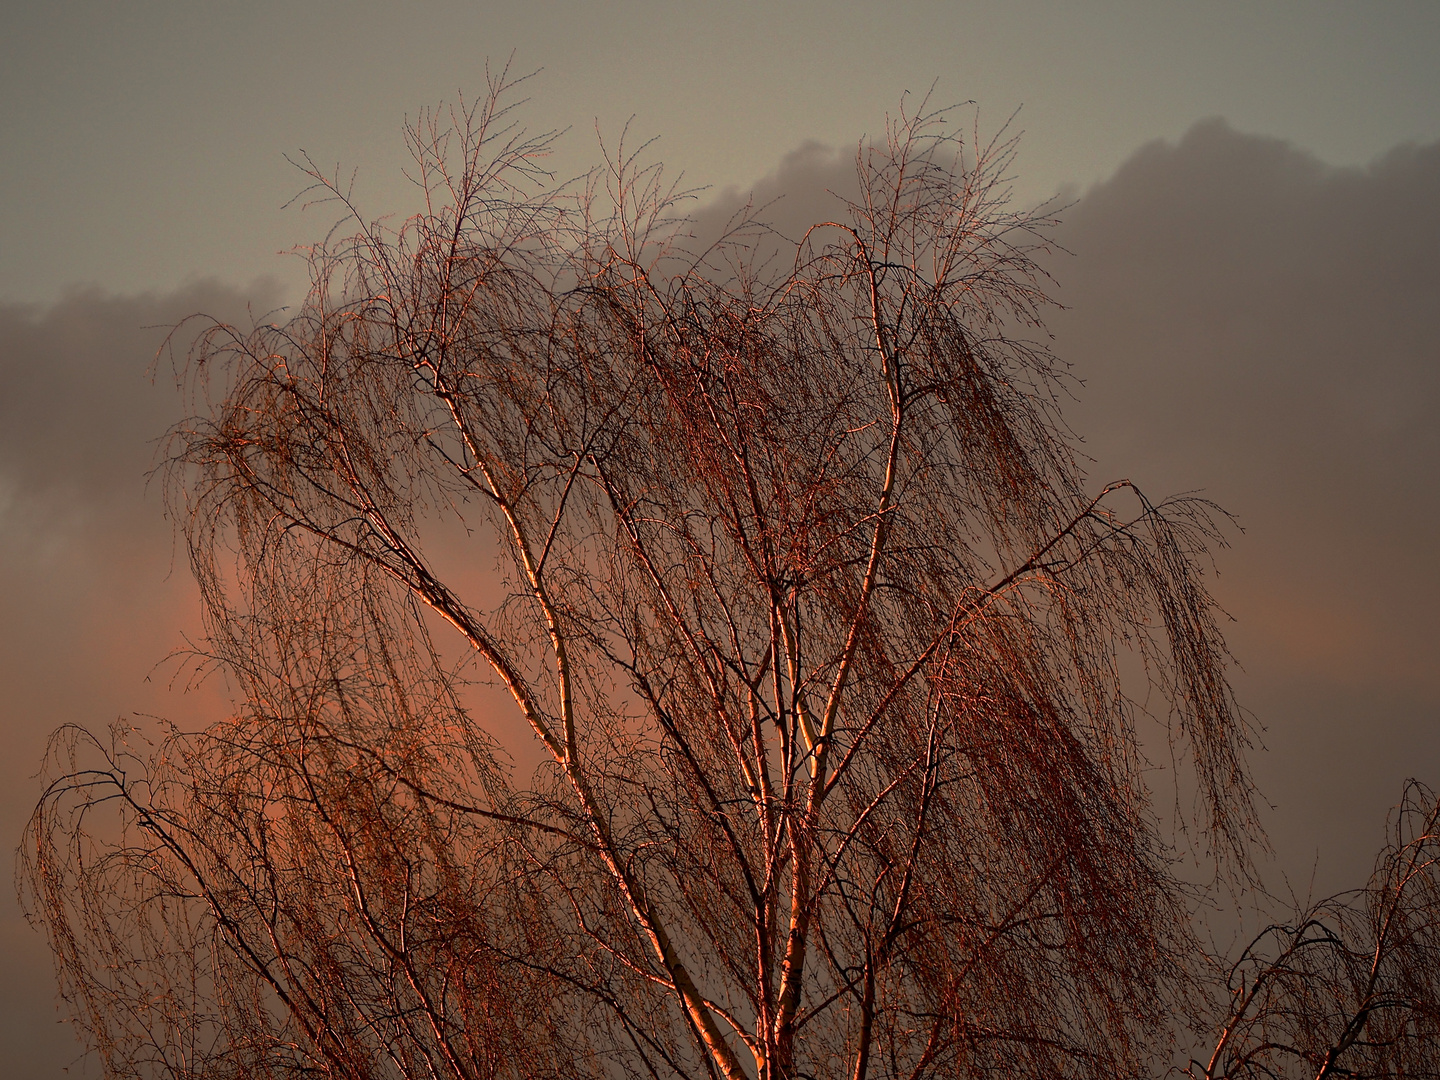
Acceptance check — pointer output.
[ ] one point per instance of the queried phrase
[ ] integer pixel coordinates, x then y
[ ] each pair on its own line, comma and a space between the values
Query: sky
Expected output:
1249, 274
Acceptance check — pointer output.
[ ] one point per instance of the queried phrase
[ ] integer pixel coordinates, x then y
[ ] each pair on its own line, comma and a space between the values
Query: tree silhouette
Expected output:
1348, 987
788, 565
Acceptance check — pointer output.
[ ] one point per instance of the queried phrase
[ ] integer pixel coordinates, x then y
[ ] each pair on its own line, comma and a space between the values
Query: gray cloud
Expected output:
88, 603
1252, 322
810, 184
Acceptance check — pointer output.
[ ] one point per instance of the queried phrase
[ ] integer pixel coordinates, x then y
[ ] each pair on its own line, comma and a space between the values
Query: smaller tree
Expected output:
1351, 986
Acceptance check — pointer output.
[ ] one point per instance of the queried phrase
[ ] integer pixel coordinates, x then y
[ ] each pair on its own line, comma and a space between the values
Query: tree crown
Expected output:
798, 585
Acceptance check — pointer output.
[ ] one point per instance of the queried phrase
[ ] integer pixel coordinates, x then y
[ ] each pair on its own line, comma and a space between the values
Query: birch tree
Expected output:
790, 570
1349, 986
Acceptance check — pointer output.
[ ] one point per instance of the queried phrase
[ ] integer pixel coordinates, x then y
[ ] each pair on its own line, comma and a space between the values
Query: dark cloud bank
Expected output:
1254, 324
88, 603
1241, 318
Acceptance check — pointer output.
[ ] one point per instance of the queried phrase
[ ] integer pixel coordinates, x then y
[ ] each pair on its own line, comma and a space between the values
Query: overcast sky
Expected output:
1250, 290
